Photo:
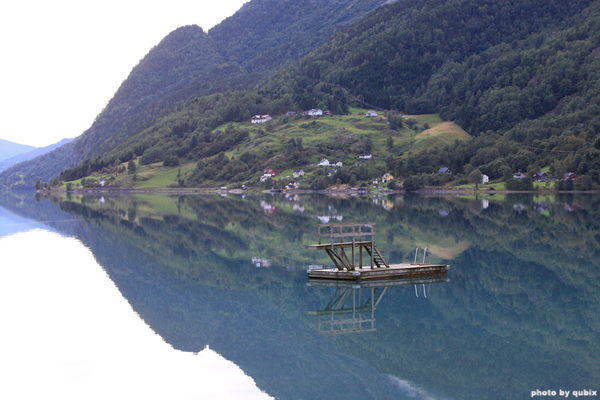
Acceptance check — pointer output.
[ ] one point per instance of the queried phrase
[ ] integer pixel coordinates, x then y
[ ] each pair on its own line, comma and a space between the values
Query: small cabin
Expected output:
258, 119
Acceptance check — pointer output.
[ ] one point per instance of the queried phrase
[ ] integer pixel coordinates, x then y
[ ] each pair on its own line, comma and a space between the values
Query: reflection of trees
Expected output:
523, 299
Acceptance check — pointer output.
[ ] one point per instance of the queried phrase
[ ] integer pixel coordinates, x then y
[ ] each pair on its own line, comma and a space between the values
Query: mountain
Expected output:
262, 36
519, 77
11, 149
30, 155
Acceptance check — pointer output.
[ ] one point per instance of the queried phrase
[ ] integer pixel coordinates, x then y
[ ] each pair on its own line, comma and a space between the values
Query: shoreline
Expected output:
353, 191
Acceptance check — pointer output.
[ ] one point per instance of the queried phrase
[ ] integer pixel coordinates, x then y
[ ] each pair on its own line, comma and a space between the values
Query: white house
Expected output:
324, 162
315, 112
258, 119
485, 179
371, 113
298, 173
338, 164
365, 156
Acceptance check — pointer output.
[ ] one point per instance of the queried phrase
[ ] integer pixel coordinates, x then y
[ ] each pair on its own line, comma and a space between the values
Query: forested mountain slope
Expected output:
520, 77
189, 63
523, 76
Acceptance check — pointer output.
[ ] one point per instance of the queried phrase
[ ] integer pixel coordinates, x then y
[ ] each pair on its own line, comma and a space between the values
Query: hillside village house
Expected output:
298, 173
371, 113
315, 112
386, 177
540, 177
292, 185
258, 119
365, 156
518, 175
444, 170
485, 179
291, 113
269, 173
324, 162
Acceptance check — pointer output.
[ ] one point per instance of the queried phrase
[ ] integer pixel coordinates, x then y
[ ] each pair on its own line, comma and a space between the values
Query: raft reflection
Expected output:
351, 308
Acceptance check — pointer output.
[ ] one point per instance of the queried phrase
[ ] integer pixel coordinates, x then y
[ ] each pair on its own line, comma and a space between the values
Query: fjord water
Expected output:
207, 297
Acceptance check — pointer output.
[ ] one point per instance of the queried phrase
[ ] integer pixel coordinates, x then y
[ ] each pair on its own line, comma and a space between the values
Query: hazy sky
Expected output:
63, 60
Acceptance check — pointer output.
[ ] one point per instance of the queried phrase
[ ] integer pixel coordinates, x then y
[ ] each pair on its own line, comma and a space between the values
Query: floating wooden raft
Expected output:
352, 249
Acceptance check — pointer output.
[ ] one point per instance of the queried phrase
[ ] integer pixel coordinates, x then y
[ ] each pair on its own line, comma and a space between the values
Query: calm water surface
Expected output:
207, 297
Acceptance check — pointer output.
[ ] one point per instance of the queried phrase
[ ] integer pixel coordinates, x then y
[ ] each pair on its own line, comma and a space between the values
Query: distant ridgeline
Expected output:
519, 77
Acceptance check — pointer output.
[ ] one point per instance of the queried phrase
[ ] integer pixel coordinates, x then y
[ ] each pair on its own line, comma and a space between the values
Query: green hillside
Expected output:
519, 78
236, 154
261, 37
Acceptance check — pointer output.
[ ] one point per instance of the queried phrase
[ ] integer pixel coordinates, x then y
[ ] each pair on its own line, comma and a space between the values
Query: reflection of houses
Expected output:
292, 197
261, 262
258, 119
518, 207
351, 308
268, 208
386, 204
326, 218
298, 209
540, 206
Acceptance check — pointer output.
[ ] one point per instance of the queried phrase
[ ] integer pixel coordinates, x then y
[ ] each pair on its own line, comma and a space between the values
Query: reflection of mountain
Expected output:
521, 310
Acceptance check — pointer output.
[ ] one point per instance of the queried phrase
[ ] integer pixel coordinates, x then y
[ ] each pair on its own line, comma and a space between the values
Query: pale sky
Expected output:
63, 60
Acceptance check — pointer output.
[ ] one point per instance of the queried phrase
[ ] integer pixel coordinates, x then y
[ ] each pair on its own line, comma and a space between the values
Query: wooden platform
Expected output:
391, 272
355, 257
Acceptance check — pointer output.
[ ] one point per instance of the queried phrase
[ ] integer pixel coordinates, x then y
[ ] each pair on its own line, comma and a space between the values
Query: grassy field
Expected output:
345, 134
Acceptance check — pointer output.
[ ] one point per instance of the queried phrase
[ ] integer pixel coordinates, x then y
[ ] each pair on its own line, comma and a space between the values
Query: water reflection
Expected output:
351, 308
522, 310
